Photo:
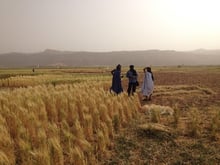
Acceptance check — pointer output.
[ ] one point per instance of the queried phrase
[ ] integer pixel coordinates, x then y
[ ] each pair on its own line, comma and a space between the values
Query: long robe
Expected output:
116, 82
148, 84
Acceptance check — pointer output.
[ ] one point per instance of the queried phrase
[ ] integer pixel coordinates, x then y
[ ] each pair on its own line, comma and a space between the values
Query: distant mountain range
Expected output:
139, 58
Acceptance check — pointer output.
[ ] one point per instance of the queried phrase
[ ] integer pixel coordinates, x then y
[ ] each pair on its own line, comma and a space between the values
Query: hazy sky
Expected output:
108, 25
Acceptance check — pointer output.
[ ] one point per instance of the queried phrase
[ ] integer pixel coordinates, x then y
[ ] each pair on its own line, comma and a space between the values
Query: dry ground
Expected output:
195, 137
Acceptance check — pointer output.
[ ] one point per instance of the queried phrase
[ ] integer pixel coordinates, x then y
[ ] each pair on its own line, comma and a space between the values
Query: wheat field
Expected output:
68, 116
72, 122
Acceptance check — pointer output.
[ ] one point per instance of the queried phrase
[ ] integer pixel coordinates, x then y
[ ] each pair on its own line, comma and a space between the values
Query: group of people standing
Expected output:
132, 75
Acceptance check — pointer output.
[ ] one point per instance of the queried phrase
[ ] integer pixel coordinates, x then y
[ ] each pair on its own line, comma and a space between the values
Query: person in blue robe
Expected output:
116, 80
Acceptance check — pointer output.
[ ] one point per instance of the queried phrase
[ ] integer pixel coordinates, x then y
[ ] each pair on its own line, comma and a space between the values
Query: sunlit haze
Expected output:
108, 25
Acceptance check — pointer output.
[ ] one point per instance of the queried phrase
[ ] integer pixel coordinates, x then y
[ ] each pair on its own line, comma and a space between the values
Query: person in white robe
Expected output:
148, 84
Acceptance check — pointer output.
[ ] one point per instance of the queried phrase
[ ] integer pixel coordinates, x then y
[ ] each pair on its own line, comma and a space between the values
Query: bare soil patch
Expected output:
195, 139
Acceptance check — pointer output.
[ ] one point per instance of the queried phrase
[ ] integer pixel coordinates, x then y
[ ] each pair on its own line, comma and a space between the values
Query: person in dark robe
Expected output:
116, 80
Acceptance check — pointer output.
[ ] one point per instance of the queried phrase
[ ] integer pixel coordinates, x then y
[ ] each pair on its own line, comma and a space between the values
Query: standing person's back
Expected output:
148, 84
132, 78
116, 80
